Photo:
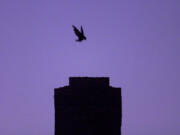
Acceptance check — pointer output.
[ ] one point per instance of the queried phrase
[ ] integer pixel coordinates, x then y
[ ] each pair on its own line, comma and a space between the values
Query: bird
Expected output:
79, 34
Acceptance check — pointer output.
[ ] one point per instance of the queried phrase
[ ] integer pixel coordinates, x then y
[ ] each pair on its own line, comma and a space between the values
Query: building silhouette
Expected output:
88, 106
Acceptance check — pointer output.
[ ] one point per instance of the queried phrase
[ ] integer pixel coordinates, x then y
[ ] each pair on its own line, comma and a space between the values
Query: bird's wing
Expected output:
82, 30
76, 31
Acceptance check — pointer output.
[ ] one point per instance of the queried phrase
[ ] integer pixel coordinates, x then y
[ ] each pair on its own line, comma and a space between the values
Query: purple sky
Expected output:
134, 42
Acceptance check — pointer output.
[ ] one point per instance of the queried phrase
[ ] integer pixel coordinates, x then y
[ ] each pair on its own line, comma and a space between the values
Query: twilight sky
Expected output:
134, 42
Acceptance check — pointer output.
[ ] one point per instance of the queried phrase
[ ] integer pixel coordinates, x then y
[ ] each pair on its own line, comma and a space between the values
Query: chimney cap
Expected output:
89, 81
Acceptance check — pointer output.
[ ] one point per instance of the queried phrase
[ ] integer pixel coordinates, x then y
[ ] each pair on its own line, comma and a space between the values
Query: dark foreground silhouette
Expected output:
88, 106
79, 34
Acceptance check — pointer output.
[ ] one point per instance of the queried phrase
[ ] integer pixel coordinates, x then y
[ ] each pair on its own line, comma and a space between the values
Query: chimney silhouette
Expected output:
88, 106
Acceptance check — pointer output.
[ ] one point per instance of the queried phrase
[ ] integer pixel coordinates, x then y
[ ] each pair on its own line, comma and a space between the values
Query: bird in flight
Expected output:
79, 34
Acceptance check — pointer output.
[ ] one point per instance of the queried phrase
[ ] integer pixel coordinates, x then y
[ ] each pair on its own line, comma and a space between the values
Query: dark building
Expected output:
88, 106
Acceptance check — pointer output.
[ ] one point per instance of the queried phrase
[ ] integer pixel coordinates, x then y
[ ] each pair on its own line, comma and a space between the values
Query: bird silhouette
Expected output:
79, 34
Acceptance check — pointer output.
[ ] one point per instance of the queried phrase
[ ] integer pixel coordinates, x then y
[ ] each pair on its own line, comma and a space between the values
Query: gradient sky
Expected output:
134, 42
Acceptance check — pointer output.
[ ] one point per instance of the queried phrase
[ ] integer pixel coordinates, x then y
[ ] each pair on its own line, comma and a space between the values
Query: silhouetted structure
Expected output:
88, 106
